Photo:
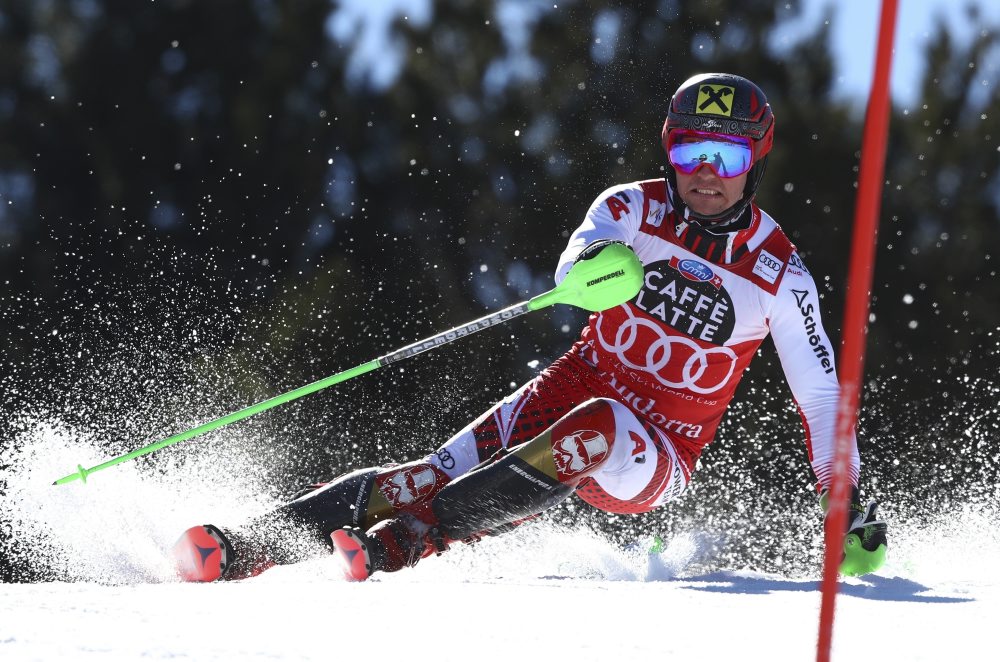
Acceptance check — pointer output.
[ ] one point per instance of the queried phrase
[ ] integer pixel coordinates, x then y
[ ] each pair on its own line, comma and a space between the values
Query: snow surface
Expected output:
435, 613
542, 592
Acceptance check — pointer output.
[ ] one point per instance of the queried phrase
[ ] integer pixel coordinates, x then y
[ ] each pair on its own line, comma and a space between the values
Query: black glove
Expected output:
866, 541
595, 247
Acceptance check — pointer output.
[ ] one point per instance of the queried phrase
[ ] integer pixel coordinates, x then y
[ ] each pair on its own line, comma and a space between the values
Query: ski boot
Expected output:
205, 553
390, 545
300, 529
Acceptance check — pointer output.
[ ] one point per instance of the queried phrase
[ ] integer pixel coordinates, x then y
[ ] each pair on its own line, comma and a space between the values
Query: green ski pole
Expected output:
608, 279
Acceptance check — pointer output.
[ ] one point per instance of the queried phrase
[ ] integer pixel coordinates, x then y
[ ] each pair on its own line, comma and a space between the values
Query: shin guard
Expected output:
530, 479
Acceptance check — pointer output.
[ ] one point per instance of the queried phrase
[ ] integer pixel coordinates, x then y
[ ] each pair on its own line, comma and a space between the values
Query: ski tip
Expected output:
353, 553
200, 554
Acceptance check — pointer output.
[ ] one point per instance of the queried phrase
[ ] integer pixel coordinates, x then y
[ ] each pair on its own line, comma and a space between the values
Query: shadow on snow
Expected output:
892, 589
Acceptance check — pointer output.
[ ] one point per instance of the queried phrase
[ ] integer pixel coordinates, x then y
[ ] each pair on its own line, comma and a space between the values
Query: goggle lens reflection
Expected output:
728, 156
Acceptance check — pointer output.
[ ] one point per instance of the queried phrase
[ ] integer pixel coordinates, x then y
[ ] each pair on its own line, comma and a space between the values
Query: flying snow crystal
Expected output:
76, 531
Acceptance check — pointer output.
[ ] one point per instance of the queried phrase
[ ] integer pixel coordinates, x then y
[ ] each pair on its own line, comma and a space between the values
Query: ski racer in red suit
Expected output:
622, 417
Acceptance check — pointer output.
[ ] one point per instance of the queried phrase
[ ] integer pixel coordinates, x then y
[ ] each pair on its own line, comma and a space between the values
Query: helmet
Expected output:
727, 104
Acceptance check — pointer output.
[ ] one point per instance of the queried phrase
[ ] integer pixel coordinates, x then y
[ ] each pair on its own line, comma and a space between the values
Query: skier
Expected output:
622, 417
719, 165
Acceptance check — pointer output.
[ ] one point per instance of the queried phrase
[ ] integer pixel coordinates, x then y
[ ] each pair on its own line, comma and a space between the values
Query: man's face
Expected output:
706, 193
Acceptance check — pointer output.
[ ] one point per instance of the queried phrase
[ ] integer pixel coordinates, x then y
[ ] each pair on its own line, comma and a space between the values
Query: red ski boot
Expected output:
201, 554
388, 546
204, 554
353, 550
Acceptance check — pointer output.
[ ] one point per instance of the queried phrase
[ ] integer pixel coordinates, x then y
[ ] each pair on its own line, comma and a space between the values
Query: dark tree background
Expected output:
203, 204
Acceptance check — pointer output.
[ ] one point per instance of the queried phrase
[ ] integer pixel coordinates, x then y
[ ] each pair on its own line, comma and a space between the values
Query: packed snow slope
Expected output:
546, 591
444, 611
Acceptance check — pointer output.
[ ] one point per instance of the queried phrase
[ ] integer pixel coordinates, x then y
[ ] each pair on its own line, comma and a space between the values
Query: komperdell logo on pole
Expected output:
611, 277
617, 274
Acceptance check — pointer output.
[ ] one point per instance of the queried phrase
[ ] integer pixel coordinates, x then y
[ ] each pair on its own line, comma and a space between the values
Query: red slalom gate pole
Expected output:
856, 306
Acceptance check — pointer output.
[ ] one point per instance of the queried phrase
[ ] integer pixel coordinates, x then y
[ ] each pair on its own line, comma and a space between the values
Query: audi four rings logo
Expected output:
796, 262
768, 267
675, 361
770, 263
445, 457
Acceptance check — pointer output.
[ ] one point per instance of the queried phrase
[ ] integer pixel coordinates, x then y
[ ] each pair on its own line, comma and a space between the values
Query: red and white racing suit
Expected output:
672, 356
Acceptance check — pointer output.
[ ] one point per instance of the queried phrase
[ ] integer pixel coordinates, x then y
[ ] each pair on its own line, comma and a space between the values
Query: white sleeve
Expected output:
615, 214
807, 359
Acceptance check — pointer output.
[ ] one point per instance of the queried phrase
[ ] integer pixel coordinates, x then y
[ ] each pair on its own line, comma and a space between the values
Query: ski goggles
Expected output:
728, 156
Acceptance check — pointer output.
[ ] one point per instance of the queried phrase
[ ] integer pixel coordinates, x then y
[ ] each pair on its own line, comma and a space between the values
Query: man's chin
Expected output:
703, 211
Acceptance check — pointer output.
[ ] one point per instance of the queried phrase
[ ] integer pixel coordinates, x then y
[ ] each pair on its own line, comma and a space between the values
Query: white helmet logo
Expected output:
408, 486
579, 451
